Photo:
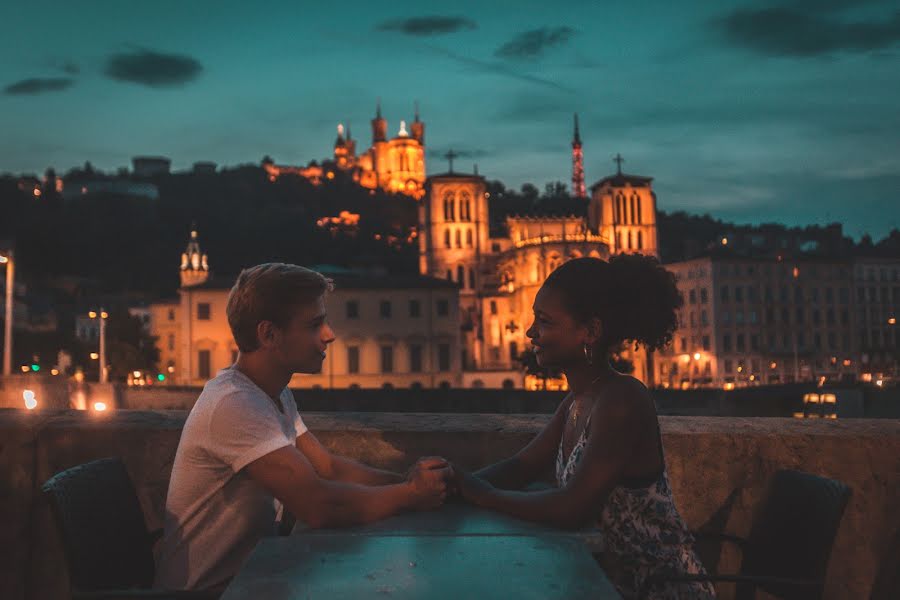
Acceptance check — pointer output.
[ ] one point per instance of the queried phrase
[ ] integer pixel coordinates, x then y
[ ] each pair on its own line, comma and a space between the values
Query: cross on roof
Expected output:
450, 156
619, 160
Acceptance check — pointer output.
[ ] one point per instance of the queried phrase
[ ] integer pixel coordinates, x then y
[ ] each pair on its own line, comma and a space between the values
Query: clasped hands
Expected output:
433, 478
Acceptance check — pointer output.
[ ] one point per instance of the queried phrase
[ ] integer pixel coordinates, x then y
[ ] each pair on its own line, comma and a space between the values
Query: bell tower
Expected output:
194, 265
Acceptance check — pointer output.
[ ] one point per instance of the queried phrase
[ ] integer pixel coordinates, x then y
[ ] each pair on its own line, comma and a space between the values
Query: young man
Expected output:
244, 445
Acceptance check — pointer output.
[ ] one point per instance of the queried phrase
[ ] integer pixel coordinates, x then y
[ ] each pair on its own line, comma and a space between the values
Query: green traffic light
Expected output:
161, 377
35, 368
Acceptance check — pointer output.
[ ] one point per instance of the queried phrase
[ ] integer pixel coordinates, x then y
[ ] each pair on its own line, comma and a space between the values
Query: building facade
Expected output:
397, 331
499, 276
752, 321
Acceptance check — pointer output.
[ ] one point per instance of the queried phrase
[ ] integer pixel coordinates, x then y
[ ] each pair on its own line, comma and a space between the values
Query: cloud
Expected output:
153, 69
431, 25
69, 68
794, 33
500, 69
460, 153
38, 85
530, 45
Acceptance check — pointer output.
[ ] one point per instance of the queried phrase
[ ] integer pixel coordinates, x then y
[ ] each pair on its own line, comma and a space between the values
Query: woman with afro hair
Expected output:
603, 442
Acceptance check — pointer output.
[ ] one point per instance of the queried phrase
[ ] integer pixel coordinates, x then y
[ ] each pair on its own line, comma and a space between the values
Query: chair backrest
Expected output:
793, 531
102, 526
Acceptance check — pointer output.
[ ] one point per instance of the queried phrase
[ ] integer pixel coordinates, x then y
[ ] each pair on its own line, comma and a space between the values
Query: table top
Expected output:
454, 518
435, 566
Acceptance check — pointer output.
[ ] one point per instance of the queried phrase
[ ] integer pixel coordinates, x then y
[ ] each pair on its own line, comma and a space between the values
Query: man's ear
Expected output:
265, 333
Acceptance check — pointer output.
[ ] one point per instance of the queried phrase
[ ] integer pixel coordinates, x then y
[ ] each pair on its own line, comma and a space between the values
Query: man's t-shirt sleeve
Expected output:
290, 407
240, 432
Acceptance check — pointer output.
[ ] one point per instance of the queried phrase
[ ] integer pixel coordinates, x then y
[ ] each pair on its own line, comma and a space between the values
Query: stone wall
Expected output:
719, 468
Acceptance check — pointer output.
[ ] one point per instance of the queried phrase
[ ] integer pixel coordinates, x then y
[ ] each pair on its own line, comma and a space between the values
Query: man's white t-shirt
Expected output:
215, 514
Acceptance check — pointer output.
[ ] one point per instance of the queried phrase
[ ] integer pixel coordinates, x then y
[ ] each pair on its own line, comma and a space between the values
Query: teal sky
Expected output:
749, 110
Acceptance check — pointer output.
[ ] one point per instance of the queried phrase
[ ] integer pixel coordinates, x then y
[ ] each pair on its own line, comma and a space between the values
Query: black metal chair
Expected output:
790, 541
107, 546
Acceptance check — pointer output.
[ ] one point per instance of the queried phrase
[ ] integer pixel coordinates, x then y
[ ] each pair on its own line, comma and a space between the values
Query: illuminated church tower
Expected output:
194, 266
578, 189
622, 210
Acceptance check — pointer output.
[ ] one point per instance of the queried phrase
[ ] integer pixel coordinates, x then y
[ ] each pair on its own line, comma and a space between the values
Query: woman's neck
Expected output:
580, 377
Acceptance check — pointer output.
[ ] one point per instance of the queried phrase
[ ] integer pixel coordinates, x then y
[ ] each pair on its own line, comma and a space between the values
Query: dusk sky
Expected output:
752, 111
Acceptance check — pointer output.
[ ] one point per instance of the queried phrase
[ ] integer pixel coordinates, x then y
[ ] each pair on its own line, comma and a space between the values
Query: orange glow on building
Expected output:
394, 165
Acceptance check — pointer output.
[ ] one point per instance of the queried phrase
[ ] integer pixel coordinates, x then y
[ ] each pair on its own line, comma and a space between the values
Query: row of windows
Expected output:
465, 207
204, 359
632, 242
628, 211
386, 308
784, 294
461, 277
457, 237
884, 274
783, 270
387, 358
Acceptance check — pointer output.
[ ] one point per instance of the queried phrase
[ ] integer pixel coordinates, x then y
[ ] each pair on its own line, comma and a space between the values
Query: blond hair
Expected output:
270, 292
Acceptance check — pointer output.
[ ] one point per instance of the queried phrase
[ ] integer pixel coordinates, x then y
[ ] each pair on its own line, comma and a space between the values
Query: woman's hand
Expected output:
471, 488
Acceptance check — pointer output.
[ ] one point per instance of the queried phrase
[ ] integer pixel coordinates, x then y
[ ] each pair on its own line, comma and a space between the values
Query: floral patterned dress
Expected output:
642, 534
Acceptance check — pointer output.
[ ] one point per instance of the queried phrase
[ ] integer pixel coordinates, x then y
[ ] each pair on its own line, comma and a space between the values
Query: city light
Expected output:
892, 321
773, 365
696, 356
25, 368
54, 371
100, 406
3, 260
92, 314
94, 356
30, 400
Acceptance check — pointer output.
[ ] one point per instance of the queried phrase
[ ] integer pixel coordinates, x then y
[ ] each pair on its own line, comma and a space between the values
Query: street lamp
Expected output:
6, 258
103, 316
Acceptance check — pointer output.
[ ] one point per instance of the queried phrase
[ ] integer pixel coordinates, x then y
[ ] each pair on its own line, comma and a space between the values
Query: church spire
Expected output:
578, 188
417, 127
379, 125
194, 265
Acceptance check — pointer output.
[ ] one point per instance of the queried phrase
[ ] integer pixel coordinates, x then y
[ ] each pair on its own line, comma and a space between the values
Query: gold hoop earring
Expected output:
588, 354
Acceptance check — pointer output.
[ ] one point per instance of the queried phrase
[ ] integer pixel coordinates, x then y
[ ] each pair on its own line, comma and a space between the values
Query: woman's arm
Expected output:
532, 461
615, 423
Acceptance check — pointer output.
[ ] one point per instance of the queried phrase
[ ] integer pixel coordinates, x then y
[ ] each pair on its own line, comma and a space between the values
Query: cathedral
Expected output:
498, 277
395, 165
489, 279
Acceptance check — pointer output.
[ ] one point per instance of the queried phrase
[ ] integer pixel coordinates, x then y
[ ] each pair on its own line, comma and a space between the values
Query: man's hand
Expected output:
428, 479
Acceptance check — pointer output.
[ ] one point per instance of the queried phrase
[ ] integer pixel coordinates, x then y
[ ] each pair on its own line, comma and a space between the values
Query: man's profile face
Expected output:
302, 345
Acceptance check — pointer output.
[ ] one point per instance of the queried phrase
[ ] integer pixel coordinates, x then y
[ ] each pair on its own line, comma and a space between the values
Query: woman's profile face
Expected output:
557, 338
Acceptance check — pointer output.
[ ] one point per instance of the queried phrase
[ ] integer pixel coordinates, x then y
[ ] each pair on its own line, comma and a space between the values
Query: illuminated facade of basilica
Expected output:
498, 277
395, 165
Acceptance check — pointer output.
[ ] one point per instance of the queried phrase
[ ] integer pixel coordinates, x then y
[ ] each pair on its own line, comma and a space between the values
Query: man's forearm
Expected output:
350, 471
341, 504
